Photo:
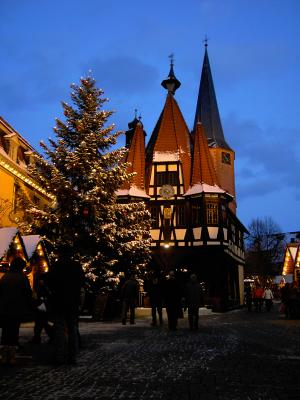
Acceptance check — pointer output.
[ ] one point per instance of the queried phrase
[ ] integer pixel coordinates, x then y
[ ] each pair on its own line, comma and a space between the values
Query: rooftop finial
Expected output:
135, 113
206, 39
171, 83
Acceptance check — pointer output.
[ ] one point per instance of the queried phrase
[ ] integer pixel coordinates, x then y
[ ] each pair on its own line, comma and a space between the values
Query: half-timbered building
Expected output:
187, 180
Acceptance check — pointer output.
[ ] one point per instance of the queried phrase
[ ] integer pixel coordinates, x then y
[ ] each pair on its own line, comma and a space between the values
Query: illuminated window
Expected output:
212, 213
167, 178
173, 178
196, 214
180, 215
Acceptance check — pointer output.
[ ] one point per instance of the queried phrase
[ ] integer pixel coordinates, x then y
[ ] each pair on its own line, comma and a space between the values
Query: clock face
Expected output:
166, 191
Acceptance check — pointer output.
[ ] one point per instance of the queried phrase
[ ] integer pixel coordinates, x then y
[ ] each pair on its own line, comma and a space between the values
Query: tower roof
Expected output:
136, 160
203, 170
204, 178
170, 140
207, 111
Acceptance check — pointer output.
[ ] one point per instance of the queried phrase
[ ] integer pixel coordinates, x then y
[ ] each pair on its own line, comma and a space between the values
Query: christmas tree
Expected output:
83, 170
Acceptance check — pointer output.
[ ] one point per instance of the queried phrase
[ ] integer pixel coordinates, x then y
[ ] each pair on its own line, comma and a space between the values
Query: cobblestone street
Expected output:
236, 355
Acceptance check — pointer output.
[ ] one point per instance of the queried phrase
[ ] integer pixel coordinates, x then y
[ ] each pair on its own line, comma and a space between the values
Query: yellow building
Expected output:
16, 185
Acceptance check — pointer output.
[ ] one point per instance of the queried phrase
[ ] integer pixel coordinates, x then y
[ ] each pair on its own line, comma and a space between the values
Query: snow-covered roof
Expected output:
133, 192
203, 188
6, 237
30, 243
164, 156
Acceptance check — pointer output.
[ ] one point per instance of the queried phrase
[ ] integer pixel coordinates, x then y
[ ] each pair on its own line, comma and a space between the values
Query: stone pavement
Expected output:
236, 356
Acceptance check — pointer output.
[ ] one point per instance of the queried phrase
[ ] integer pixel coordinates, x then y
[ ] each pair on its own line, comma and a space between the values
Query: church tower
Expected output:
207, 113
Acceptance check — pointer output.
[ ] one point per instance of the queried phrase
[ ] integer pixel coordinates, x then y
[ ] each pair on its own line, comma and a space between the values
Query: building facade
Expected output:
16, 185
187, 180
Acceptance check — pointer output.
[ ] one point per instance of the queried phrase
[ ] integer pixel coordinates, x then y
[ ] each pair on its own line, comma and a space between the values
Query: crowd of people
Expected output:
165, 292
57, 296
54, 302
260, 298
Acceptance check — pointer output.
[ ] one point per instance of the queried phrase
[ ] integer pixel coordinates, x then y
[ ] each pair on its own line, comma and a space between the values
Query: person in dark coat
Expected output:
65, 280
155, 292
129, 297
193, 300
172, 297
294, 294
286, 300
15, 303
248, 297
42, 302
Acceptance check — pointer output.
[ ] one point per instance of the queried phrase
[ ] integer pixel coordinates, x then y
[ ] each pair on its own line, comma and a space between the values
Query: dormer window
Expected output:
4, 143
167, 178
21, 158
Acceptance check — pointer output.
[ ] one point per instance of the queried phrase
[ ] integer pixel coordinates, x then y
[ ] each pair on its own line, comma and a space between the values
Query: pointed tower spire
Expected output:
207, 111
171, 84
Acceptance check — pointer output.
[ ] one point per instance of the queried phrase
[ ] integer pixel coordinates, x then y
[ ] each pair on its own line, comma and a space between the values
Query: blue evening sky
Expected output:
254, 51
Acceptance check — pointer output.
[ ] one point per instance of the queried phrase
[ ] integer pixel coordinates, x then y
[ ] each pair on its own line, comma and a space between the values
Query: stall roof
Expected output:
6, 237
31, 242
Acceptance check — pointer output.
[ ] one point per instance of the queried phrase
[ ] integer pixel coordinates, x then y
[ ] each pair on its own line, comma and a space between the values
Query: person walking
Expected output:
172, 296
129, 297
155, 292
258, 298
193, 300
268, 296
65, 280
15, 303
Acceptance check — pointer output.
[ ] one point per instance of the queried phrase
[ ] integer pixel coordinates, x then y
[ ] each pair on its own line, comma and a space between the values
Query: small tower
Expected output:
135, 142
168, 169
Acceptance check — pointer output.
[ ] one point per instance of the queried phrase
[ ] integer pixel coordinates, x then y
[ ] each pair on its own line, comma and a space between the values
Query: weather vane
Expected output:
206, 39
171, 57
